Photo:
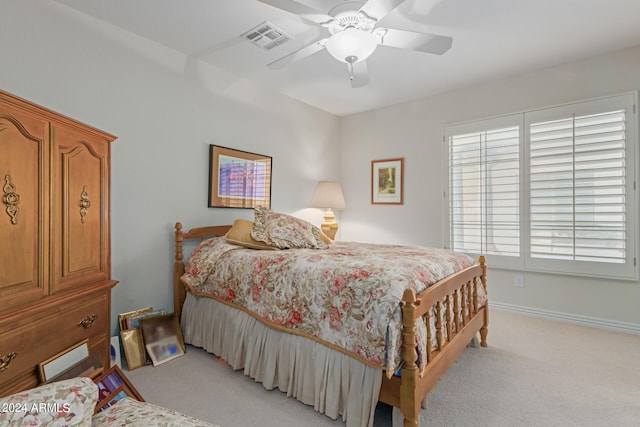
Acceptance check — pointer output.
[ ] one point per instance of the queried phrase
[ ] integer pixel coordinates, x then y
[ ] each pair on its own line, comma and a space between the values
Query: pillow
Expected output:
68, 403
285, 231
240, 234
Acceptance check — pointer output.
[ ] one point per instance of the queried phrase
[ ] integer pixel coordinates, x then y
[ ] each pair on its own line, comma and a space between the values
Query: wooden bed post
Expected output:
409, 402
484, 330
179, 292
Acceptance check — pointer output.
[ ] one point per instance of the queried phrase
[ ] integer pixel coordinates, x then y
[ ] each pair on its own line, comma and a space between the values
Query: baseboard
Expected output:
594, 322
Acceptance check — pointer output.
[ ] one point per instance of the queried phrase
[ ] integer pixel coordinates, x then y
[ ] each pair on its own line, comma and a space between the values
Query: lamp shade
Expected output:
352, 45
328, 195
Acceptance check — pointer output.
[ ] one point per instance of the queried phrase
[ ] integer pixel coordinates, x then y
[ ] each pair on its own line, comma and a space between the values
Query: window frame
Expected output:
620, 271
473, 127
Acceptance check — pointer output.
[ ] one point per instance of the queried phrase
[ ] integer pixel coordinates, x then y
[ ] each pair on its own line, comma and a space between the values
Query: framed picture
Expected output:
89, 367
238, 179
164, 350
55, 365
162, 337
112, 380
134, 321
123, 318
133, 347
106, 401
387, 182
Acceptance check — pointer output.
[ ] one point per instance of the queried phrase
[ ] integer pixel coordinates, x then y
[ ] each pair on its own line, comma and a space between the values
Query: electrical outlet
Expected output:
519, 281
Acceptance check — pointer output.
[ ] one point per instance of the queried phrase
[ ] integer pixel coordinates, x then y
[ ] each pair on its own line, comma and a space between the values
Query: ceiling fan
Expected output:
353, 35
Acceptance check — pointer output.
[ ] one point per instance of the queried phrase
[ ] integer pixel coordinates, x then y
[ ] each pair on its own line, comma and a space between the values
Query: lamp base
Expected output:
329, 226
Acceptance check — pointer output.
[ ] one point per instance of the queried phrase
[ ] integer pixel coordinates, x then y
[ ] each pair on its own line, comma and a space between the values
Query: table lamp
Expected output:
328, 195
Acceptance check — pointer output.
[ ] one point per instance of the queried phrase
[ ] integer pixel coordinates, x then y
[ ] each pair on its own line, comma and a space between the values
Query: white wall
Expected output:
165, 110
414, 131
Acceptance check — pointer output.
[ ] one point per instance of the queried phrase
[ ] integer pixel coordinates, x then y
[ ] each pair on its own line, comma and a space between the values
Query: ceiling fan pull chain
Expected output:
350, 61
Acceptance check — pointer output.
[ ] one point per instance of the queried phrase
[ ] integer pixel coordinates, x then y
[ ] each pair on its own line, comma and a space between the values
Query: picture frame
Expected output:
109, 400
162, 337
238, 179
133, 346
133, 322
112, 380
387, 182
123, 318
62, 361
164, 350
90, 367
159, 327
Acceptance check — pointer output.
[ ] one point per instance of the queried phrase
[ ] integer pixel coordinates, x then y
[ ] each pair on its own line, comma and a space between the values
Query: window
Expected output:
548, 190
484, 181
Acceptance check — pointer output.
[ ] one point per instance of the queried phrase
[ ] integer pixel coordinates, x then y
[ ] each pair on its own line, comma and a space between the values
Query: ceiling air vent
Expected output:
267, 36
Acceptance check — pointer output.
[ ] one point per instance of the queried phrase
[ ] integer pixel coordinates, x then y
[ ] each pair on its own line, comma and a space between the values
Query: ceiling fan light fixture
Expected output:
352, 45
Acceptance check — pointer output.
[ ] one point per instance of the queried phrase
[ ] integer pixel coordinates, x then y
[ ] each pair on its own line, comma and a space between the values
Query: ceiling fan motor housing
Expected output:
352, 39
351, 19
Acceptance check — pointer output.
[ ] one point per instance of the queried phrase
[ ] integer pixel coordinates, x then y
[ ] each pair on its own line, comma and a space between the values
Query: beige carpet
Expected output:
534, 373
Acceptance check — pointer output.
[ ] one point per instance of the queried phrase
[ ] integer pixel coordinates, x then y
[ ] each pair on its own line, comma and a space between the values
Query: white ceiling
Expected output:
491, 38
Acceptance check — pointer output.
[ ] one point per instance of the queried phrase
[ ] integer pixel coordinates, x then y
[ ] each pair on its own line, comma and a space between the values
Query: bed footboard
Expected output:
454, 303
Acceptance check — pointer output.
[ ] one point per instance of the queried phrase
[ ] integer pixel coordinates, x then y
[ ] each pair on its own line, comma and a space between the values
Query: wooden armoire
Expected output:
55, 267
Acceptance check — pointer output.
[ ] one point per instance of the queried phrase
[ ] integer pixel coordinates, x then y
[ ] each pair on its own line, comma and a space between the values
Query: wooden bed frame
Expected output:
407, 391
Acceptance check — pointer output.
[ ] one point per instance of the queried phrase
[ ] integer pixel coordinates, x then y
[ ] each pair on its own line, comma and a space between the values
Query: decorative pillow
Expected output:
240, 234
285, 231
68, 403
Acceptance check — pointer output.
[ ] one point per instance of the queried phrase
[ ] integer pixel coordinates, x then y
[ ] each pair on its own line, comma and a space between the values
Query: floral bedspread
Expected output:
129, 412
347, 295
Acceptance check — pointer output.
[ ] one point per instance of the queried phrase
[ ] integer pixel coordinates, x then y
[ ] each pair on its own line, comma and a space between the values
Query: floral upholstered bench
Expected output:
72, 403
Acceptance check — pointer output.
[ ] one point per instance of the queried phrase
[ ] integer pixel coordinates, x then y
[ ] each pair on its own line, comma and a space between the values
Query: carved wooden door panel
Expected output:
80, 199
23, 207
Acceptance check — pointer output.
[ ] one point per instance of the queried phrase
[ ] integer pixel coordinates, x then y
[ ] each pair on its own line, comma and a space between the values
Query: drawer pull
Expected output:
5, 361
88, 321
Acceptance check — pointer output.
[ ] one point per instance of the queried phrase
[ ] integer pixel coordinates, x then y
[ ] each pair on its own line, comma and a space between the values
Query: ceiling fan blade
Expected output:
301, 10
359, 74
378, 9
430, 43
298, 55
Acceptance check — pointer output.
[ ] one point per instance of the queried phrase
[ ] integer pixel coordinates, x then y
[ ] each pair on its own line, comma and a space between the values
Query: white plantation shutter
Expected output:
483, 190
577, 188
581, 172
549, 190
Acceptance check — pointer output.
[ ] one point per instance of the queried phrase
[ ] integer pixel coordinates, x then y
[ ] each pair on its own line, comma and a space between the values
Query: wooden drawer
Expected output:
30, 378
51, 332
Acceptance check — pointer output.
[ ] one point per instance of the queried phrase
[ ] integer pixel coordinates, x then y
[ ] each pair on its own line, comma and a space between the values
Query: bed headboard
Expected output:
201, 233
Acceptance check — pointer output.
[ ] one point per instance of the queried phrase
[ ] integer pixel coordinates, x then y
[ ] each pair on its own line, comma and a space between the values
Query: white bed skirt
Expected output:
332, 382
